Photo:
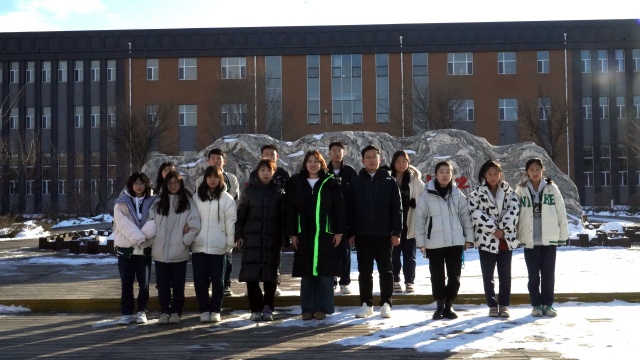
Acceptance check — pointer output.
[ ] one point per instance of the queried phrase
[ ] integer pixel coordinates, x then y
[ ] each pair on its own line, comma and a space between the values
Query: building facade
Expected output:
573, 87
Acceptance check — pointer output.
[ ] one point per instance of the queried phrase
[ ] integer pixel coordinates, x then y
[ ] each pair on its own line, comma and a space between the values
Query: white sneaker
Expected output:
397, 288
174, 319
256, 316
345, 289
163, 319
215, 317
278, 291
385, 311
141, 318
409, 288
126, 319
205, 317
364, 311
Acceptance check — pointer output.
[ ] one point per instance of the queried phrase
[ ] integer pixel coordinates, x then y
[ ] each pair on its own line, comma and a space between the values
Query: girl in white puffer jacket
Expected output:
214, 242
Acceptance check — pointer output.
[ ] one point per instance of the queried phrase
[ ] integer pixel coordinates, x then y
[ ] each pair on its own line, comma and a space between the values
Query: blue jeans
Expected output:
541, 265
316, 294
208, 269
345, 262
488, 262
407, 249
171, 277
137, 267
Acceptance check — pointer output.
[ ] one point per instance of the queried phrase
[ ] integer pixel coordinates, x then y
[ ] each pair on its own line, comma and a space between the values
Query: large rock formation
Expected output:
465, 151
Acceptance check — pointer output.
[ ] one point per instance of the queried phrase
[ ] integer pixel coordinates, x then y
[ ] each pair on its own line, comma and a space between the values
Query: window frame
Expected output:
185, 70
504, 109
544, 66
507, 66
455, 61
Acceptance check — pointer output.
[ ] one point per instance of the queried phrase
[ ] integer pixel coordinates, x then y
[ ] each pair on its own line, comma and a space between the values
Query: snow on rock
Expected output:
12, 309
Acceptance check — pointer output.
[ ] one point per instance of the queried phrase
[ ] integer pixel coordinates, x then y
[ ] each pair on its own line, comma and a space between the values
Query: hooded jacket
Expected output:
260, 225
128, 230
374, 207
315, 255
171, 244
555, 230
442, 222
489, 213
217, 225
416, 187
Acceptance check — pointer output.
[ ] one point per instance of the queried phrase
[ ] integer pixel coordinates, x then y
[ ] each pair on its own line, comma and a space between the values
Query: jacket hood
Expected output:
414, 172
431, 187
125, 197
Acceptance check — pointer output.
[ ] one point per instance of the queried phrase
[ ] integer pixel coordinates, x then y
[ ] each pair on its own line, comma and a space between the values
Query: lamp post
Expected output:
402, 84
130, 112
566, 103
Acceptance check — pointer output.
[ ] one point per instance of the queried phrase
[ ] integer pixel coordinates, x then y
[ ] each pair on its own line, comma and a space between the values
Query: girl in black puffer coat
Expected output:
316, 221
259, 232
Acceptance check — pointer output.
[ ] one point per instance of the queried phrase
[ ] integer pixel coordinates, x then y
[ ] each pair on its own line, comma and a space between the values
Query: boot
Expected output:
448, 310
439, 309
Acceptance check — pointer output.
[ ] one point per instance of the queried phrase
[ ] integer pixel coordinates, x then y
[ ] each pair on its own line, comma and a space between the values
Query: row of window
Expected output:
604, 165
46, 187
46, 75
603, 60
604, 108
45, 119
231, 68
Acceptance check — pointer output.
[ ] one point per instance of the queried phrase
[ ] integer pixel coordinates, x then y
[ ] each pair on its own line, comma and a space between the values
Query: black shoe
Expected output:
437, 315
448, 310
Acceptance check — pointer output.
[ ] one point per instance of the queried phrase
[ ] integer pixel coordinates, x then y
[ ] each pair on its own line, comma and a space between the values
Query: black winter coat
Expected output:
313, 224
260, 225
347, 173
374, 206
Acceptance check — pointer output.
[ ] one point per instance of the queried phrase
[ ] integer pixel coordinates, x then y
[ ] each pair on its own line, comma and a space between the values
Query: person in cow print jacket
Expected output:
494, 213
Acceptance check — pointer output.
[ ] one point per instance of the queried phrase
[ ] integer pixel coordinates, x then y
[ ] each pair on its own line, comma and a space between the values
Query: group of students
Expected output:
324, 210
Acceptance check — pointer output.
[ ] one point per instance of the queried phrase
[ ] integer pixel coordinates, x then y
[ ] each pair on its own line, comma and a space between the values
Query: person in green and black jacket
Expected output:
316, 223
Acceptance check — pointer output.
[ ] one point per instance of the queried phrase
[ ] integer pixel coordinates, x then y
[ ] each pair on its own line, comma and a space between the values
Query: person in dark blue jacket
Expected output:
375, 218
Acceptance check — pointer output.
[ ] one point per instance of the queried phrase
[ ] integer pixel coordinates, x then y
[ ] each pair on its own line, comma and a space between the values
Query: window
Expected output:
78, 74
313, 90
619, 57
544, 108
603, 61
636, 106
382, 88
13, 187
95, 71
588, 165
621, 107
46, 71
234, 68
346, 89
30, 72
585, 60
623, 165
14, 74
635, 53
77, 186
234, 114
461, 110
419, 91
61, 184
29, 122
28, 187
187, 69
603, 106
153, 71
46, 117
273, 77
14, 121
62, 71
586, 107
95, 116
188, 115
543, 62
94, 186
46, 185
507, 63
605, 165
111, 118
508, 109
111, 70
460, 63
110, 185
78, 117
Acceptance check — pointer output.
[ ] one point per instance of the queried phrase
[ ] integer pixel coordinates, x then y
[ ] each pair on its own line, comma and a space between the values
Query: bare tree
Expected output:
544, 119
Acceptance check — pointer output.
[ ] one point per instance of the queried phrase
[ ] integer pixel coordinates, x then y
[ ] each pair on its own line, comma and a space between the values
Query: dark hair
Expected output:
268, 163
159, 178
183, 195
533, 161
144, 178
370, 147
449, 186
395, 157
485, 167
203, 189
316, 153
268, 146
217, 151
336, 143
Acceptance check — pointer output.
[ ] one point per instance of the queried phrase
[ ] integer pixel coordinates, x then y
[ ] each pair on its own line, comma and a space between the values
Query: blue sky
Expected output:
54, 15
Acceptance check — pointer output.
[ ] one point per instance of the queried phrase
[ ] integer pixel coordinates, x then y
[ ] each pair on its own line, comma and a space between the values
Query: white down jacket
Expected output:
416, 187
128, 231
217, 221
442, 222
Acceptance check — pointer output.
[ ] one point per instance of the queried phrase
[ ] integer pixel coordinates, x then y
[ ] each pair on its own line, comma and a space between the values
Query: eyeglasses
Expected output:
173, 183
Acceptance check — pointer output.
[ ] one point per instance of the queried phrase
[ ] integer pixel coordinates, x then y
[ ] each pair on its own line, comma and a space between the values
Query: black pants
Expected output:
208, 269
488, 262
137, 267
451, 258
541, 266
171, 276
229, 268
345, 262
257, 300
378, 248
